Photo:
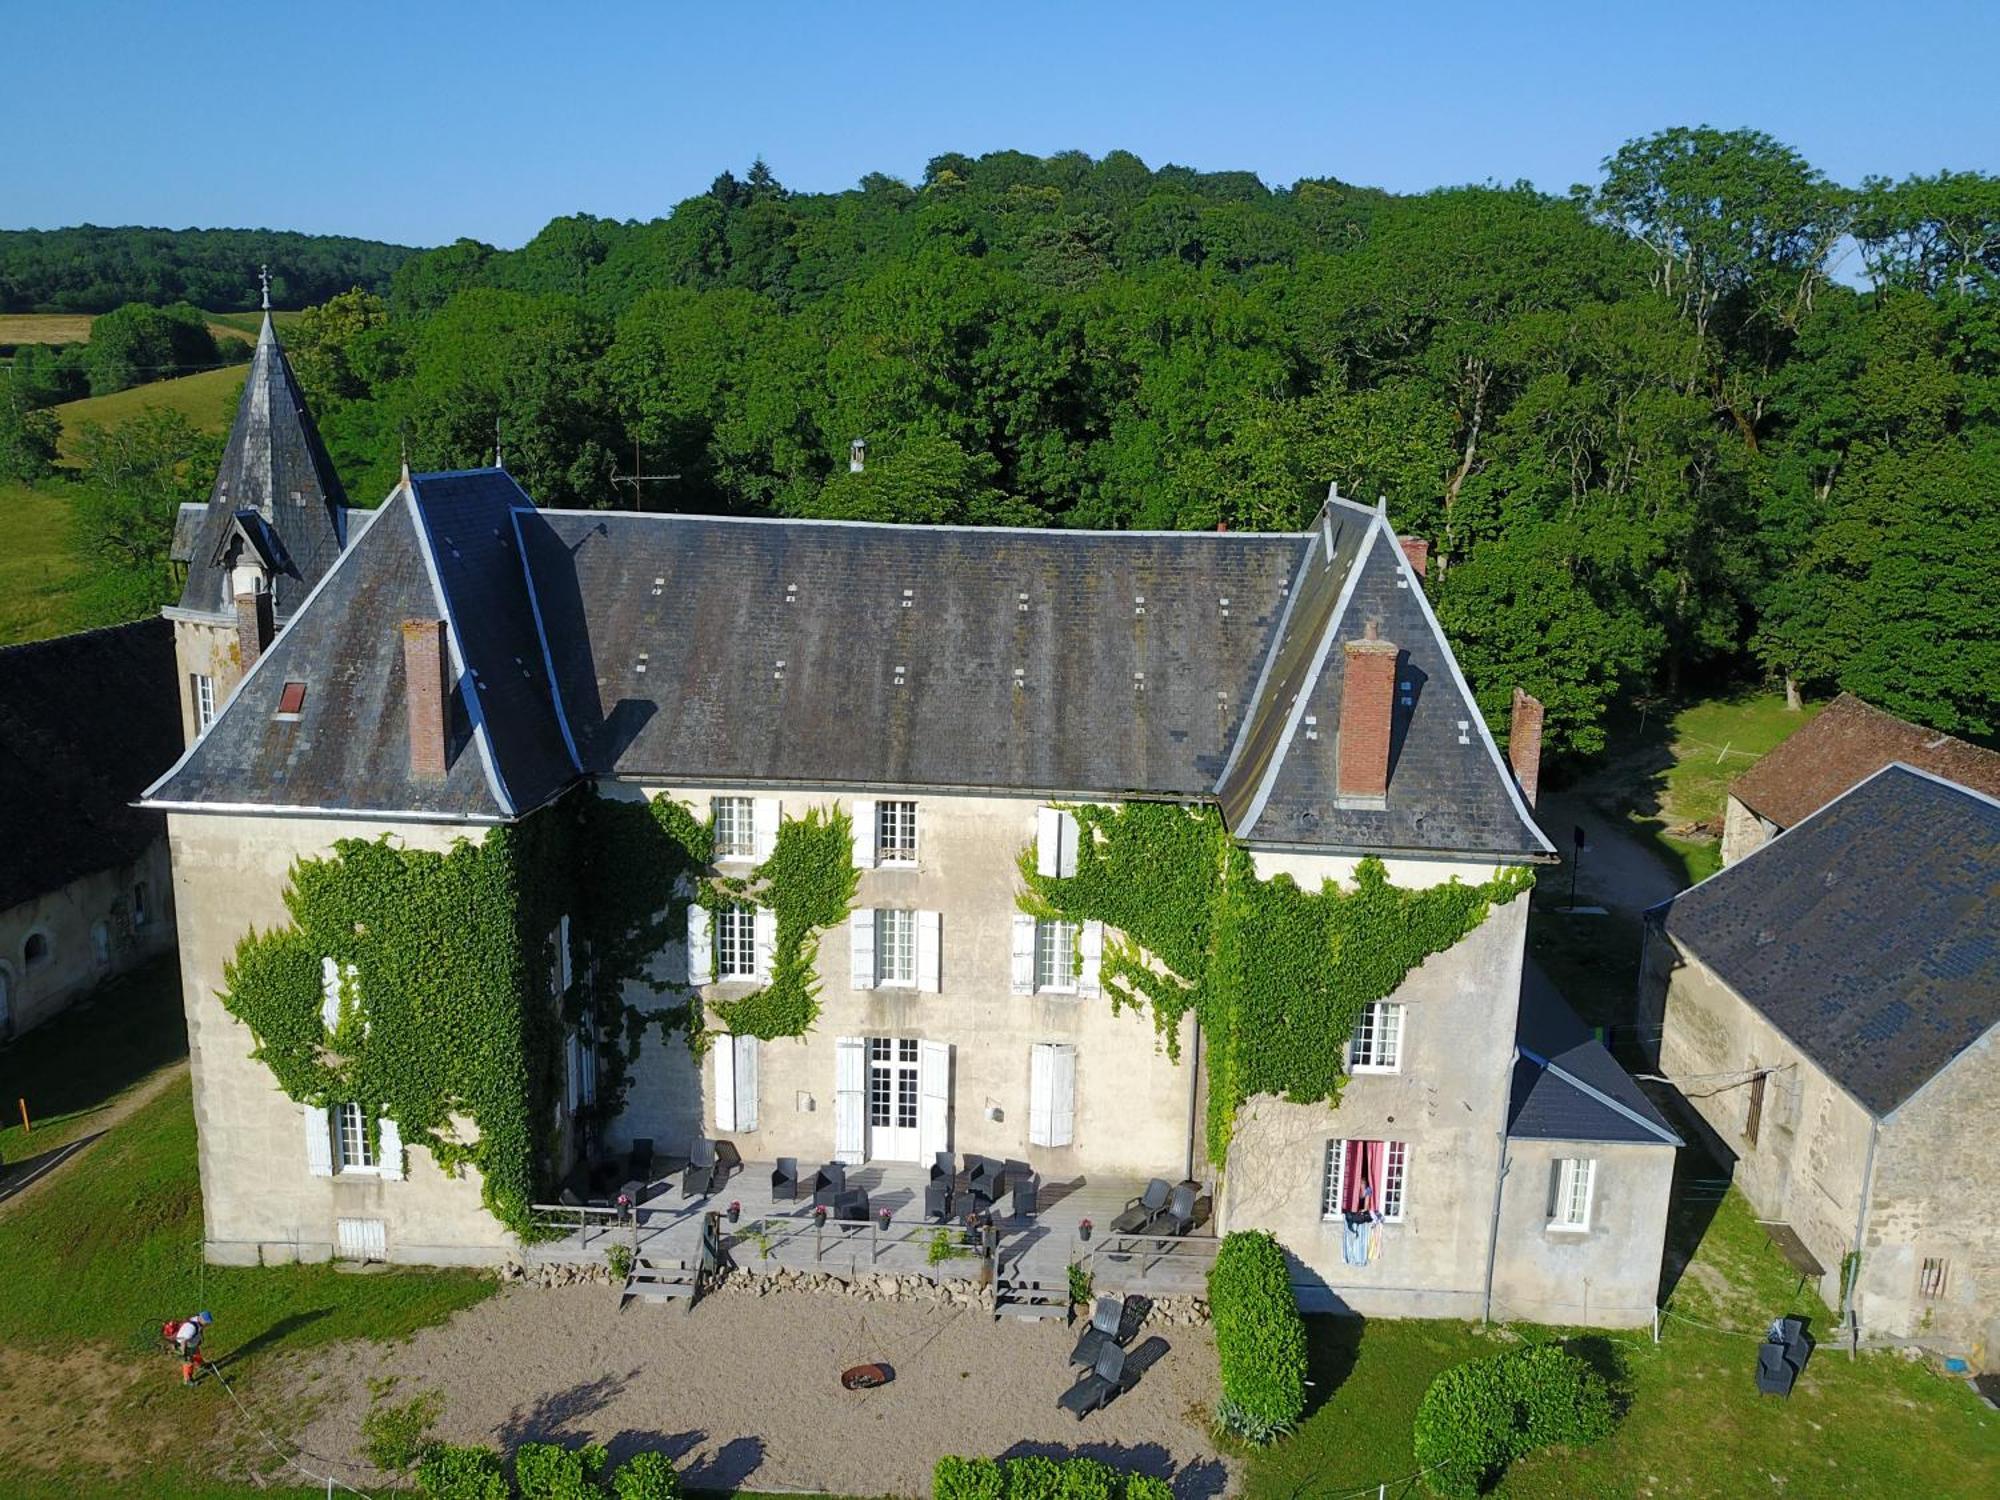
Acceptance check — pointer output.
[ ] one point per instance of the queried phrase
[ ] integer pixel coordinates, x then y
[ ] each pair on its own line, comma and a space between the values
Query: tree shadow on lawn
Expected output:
1333, 1344
1602, 1355
277, 1333
1201, 1480
554, 1417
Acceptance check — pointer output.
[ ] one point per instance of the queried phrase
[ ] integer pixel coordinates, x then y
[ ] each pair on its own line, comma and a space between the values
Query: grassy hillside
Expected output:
74, 328
208, 400
38, 574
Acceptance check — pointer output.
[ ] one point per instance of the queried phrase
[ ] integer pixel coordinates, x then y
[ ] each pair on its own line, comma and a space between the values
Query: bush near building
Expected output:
1480, 1416
1259, 1337
1041, 1479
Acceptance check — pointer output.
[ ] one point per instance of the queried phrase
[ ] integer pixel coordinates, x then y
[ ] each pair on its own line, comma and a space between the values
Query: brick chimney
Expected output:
1524, 744
1367, 700
254, 625
1418, 551
427, 694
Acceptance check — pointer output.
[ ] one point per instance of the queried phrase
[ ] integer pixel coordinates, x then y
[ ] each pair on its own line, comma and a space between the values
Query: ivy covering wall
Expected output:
1277, 975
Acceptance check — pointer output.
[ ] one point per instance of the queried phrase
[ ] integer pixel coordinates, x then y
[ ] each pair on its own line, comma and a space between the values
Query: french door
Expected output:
892, 1099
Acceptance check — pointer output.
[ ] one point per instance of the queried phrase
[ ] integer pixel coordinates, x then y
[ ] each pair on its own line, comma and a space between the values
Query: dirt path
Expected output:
19, 1180
1618, 870
744, 1391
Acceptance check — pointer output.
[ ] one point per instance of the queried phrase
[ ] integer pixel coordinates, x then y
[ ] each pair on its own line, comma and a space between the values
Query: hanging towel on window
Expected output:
1354, 1242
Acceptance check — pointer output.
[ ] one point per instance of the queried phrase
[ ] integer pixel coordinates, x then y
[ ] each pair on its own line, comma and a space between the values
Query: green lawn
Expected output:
39, 575
1875, 1426
208, 400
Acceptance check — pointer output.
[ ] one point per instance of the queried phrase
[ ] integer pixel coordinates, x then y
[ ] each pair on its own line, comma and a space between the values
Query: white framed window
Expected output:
1055, 956
895, 947
736, 943
1377, 1044
1575, 1185
204, 702
1349, 1179
351, 1151
896, 833
735, 827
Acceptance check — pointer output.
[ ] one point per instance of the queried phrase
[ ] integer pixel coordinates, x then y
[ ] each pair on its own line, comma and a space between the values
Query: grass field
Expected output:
1877, 1425
39, 575
74, 328
208, 400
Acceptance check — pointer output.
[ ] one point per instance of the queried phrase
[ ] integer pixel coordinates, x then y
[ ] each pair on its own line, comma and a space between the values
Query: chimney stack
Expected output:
427, 694
1418, 551
1367, 702
1524, 744
254, 624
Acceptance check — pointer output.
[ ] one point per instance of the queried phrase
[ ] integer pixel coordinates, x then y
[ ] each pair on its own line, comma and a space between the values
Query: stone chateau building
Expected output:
459, 659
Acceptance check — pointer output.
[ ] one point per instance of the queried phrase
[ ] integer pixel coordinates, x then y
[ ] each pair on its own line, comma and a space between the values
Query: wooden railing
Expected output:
583, 1225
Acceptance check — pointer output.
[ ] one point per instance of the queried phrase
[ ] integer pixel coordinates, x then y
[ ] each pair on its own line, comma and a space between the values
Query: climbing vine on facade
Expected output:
1277, 975
808, 882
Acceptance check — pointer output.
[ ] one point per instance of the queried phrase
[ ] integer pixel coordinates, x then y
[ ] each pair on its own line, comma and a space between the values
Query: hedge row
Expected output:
1479, 1417
1259, 1337
1041, 1479
543, 1471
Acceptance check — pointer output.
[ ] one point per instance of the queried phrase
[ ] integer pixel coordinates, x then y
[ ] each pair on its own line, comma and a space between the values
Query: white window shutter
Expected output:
572, 1072
1048, 841
329, 994
766, 826
1024, 954
863, 813
930, 960
861, 948
1041, 1093
319, 1141
563, 971
722, 1059
390, 1161
701, 951
746, 1082
1062, 1101
850, 1087
933, 1099
1090, 949
765, 936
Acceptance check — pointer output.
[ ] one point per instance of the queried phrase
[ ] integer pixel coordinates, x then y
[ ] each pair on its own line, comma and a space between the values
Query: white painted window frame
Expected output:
204, 703
1057, 959
1395, 1180
1372, 1038
351, 1117
735, 938
735, 820
896, 853
1576, 1194
895, 936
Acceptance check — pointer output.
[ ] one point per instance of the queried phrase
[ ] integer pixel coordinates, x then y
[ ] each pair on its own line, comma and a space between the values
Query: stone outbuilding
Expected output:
86, 721
1830, 1007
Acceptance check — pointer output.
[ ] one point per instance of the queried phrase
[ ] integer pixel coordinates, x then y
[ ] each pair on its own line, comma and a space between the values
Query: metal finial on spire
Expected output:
406, 455
1333, 490
496, 445
264, 275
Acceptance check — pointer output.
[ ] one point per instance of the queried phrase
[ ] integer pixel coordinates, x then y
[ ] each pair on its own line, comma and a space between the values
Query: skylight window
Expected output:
292, 701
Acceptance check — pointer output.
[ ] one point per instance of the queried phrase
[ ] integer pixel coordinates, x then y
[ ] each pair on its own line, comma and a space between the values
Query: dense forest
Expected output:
1713, 416
89, 269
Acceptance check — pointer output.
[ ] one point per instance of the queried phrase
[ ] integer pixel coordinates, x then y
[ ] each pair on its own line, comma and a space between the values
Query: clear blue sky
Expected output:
421, 121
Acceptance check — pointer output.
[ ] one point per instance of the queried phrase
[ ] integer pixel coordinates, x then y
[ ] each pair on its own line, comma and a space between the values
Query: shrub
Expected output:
646, 1476
549, 1471
1479, 1417
395, 1436
450, 1473
1260, 1339
1079, 1283
1036, 1478
619, 1258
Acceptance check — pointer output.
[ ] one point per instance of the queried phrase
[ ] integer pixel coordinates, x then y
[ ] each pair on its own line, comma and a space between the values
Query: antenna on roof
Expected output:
264, 275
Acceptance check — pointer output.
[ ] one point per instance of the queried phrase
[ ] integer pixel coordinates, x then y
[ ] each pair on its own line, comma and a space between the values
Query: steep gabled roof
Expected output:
1567, 1085
347, 750
1849, 741
86, 720
276, 466
1869, 934
1449, 789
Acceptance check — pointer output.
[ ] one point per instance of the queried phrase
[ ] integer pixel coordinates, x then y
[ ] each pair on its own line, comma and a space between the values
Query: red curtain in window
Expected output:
1361, 1182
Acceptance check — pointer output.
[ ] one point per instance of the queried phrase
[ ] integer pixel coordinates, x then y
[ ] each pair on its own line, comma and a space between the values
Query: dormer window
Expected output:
292, 701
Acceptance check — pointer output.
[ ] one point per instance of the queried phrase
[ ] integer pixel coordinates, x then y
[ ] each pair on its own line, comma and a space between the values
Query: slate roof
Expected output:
1869, 934
1567, 1086
86, 721
274, 464
187, 532
1847, 742
740, 651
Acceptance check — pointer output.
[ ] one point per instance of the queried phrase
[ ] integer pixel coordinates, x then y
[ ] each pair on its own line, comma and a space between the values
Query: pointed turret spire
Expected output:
275, 466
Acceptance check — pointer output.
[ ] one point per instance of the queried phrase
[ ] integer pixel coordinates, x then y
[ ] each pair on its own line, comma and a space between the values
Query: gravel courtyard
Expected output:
744, 1391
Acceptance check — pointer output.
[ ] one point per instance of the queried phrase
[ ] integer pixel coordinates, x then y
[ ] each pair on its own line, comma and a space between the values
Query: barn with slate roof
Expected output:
1830, 1004
466, 660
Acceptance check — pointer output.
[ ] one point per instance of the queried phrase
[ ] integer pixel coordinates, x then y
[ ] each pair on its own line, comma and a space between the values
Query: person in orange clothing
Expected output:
187, 1339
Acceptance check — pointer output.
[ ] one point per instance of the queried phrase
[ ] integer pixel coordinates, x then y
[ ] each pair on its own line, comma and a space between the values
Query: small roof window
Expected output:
292, 700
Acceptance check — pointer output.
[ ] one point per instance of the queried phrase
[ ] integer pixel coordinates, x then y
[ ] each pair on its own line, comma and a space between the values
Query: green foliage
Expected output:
619, 1259
92, 269
450, 1472
549, 1471
136, 476
1278, 975
1479, 1417
27, 439
1260, 1339
1038, 1478
809, 881
138, 343
1079, 1284
945, 1246
395, 1435
646, 1476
